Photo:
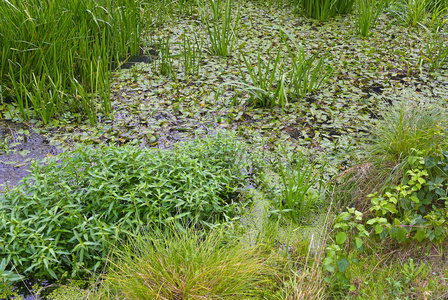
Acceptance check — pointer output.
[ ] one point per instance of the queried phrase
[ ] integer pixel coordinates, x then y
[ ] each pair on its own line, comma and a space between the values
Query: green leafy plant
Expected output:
412, 12
407, 126
7, 278
4, 146
66, 214
324, 9
166, 59
318, 9
307, 74
301, 187
191, 55
349, 232
435, 48
367, 13
222, 28
415, 209
46, 54
344, 6
187, 264
267, 86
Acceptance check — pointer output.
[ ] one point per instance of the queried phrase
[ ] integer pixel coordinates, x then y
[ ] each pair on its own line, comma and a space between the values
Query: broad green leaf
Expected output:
341, 237
343, 265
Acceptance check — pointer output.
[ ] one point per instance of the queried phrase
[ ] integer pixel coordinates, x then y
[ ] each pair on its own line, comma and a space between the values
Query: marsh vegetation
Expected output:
225, 149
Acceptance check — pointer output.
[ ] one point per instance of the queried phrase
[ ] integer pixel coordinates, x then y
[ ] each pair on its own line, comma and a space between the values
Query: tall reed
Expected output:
222, 28
367, 14
52, 48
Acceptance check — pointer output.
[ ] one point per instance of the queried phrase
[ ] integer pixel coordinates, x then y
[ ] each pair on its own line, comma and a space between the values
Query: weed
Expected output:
221, 32
412, 12
185, 263
299, 180
43, 67
436, 50
265, 89
368, 12
306, 75
84, 201
191, 55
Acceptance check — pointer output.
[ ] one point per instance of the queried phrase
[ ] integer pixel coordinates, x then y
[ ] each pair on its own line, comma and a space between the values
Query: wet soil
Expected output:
24, 146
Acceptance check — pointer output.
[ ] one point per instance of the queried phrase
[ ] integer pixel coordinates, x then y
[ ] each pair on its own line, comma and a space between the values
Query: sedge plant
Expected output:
178, 263
45, 50
435, 48
367, 13
299, 193
267, 85
412, 12
405, 128
307, 73
323, 10
191, 54
221, 28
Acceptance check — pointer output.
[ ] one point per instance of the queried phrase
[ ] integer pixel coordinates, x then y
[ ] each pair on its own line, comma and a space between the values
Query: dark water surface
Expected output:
25, 147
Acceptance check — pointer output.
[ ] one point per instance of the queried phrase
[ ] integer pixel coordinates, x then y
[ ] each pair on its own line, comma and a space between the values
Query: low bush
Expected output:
66, 214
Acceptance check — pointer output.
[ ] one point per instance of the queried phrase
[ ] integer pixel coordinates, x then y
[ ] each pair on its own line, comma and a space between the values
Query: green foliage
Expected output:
65, 215
417, 208
318, 9
7, 278
265, 88
407, 126
351, 233
49, 54
166, 59
368, 12
413, 210
301, 187
221, 32
191, 55
186, 264
307, 74
435, 48
324, 9
4, 146
412, 12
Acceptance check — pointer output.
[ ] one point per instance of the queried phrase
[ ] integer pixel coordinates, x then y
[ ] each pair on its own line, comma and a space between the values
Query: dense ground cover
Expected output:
357, 100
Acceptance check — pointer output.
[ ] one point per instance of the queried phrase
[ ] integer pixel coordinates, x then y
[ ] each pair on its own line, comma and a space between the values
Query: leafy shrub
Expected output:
415, 209
186, 264
66, 214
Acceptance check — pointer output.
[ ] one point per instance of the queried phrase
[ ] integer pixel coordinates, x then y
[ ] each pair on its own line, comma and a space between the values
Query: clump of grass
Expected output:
221, 28
267, 85
307, 73
412, 12
191, 54
166, 59
186, 264
367, 13
324, 9
300, 192
405, 128
435, 48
